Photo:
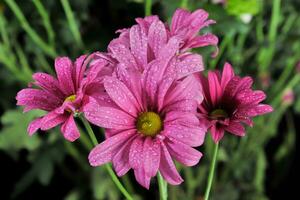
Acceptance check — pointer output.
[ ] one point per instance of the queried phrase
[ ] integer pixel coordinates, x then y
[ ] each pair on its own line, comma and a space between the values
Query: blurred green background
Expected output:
260, 38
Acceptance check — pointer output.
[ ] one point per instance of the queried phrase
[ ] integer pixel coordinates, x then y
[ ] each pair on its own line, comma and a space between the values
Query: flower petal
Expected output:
70, 130
215, 89
34, 126
48, 82
138, 45
187, 89
235, 128
151, 153
79, 70
105, 151
142, 178
227, 75
157, 36
123, 55
37, 99
190, 135
121, 158
167, 167
121, 95
52, 119
188, 64
136, 153
217, 133
64, 70
183, 153
107, 117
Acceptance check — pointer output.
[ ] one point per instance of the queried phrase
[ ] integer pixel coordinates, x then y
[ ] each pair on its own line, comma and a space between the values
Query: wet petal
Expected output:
52, 119
70, 130
167, 167
64, 70
183, 153
107, 117
34, 126
121, 95
105, 151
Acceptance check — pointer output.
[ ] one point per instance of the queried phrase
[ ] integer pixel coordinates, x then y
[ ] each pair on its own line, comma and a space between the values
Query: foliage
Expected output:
32, 33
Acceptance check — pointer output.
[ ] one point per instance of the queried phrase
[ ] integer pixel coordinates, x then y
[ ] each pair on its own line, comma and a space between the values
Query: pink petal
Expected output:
188, 64
190, 135
203, 41
107, 117
138, 45
215, 89
123, 55
132, 79
48, 83
70, 130
170, 49
216, 133
37, 99
157, 36
121, 95
181, 118
167, 167
185, 105
136, 153
121, 158
105, 151
197, 19
79, 70
178, 19
162, 91
183, 153
64, 71
235, 128
251, 97
145, 22
142, 178
34, 126
262, 109
187, 89
52, 119
151, 154
227, 75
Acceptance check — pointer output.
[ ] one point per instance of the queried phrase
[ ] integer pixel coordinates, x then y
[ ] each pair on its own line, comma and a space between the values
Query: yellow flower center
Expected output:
218, 114
149, 123
71, 98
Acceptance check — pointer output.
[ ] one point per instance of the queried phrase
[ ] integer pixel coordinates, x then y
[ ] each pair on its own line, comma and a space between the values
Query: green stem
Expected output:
163, 187
32, 33
71, 21
211, 172
148, 5
107, 166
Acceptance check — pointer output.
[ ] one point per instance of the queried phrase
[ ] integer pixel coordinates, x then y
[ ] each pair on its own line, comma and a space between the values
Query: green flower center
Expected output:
71, 98
149, 123
218, 114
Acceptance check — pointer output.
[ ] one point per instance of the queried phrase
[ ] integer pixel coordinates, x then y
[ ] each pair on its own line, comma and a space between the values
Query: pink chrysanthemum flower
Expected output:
139, 45
228, 102
61, 97
149, 118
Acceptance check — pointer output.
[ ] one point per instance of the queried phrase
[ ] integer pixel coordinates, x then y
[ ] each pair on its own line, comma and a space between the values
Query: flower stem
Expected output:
163, 187
108, 168
211, 172
148, 5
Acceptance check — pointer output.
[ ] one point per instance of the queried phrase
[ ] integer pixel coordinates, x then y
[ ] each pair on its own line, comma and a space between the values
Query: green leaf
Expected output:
14, 136
239, 7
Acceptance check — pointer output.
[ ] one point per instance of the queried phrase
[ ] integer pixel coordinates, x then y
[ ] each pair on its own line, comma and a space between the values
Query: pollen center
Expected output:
149, 123
71, 98
218, 114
